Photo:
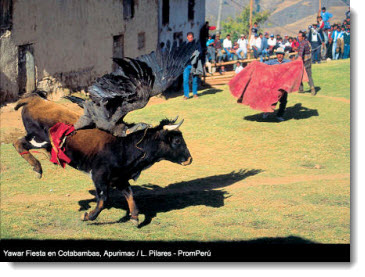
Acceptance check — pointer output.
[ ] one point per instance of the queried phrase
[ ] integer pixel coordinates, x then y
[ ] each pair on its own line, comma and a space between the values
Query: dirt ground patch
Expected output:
11, 125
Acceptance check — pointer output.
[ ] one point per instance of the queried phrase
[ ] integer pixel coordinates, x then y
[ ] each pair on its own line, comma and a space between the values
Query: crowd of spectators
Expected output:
327, 42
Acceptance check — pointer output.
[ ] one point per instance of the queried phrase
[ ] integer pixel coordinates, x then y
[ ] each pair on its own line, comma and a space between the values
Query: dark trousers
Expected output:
329, 50
256, 52
316, 52
308, 68
211, 53
283, 100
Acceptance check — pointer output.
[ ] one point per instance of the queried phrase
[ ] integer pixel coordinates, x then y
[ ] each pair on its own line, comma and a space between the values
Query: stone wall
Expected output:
8, 68
73, 40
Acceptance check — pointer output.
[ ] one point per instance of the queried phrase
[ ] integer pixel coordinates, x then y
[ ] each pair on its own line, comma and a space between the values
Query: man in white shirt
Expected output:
239, 67
280, 43
256, 47
242, 47
227, 46
272, 43
315, 39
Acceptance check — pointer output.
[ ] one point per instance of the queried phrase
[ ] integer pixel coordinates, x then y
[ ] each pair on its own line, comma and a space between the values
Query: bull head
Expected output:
177, 150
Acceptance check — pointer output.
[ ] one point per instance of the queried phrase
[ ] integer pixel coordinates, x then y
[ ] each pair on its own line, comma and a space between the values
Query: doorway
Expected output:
26, 69
118, 49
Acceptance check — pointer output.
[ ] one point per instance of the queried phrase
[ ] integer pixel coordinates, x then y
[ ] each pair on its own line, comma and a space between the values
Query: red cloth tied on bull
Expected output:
58, 134
259, 85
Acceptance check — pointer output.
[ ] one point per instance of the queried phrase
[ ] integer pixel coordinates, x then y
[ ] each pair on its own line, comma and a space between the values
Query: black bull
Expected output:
110, 161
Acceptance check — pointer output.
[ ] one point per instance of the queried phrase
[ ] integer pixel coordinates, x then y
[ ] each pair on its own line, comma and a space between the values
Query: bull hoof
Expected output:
38, 172
135, 221
38, 175
85, 217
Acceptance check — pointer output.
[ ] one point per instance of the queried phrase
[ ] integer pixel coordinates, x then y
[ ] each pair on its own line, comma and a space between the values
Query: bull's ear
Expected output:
173, 126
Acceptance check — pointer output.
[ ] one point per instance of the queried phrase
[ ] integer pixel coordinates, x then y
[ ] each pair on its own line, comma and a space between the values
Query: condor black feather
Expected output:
131, 86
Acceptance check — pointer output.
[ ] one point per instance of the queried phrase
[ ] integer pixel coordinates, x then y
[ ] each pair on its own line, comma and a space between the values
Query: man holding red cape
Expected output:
261, 86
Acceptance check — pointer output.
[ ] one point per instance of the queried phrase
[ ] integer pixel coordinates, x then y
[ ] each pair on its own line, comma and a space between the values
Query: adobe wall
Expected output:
73, 40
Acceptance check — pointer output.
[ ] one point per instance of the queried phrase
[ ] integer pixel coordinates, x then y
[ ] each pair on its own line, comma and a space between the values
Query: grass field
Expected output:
250, 179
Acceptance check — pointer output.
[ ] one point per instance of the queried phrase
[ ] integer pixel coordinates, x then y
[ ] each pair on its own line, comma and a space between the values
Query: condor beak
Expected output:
188, 161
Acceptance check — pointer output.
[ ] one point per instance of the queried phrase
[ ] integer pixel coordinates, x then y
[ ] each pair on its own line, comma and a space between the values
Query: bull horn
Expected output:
173, 127
174, 120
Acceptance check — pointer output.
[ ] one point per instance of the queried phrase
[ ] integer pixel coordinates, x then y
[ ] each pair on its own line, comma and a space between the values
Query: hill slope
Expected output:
287, 16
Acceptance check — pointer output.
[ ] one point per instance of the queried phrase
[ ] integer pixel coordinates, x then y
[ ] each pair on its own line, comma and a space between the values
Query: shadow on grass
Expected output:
178, 93
152, 199
210, 91
295, 112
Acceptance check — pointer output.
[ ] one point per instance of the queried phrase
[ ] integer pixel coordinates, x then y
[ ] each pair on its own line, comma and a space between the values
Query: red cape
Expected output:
258, 84
57, 133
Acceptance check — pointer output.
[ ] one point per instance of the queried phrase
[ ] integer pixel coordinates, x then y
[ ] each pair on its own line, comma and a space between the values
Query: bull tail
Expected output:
21, 103
27, 97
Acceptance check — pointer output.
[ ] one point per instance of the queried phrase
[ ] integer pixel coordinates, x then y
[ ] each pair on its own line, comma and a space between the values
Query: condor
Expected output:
111, 161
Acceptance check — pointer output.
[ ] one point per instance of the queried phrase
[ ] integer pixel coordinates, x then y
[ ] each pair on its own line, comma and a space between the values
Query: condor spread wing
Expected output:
131, 86
168, 64
136, 80
131, 83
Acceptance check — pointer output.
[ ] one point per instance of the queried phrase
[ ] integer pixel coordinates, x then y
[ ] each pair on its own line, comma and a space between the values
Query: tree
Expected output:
241, 24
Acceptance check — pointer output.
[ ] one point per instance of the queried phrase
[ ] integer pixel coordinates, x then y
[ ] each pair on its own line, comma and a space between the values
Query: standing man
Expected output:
304, 52
264, 47
346, 39
320, 23
196, 68
254, 31
329, 45
203, 37
325, 17
315, 40
284, 96
204, 34
324, 37
337, 34
341, 45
